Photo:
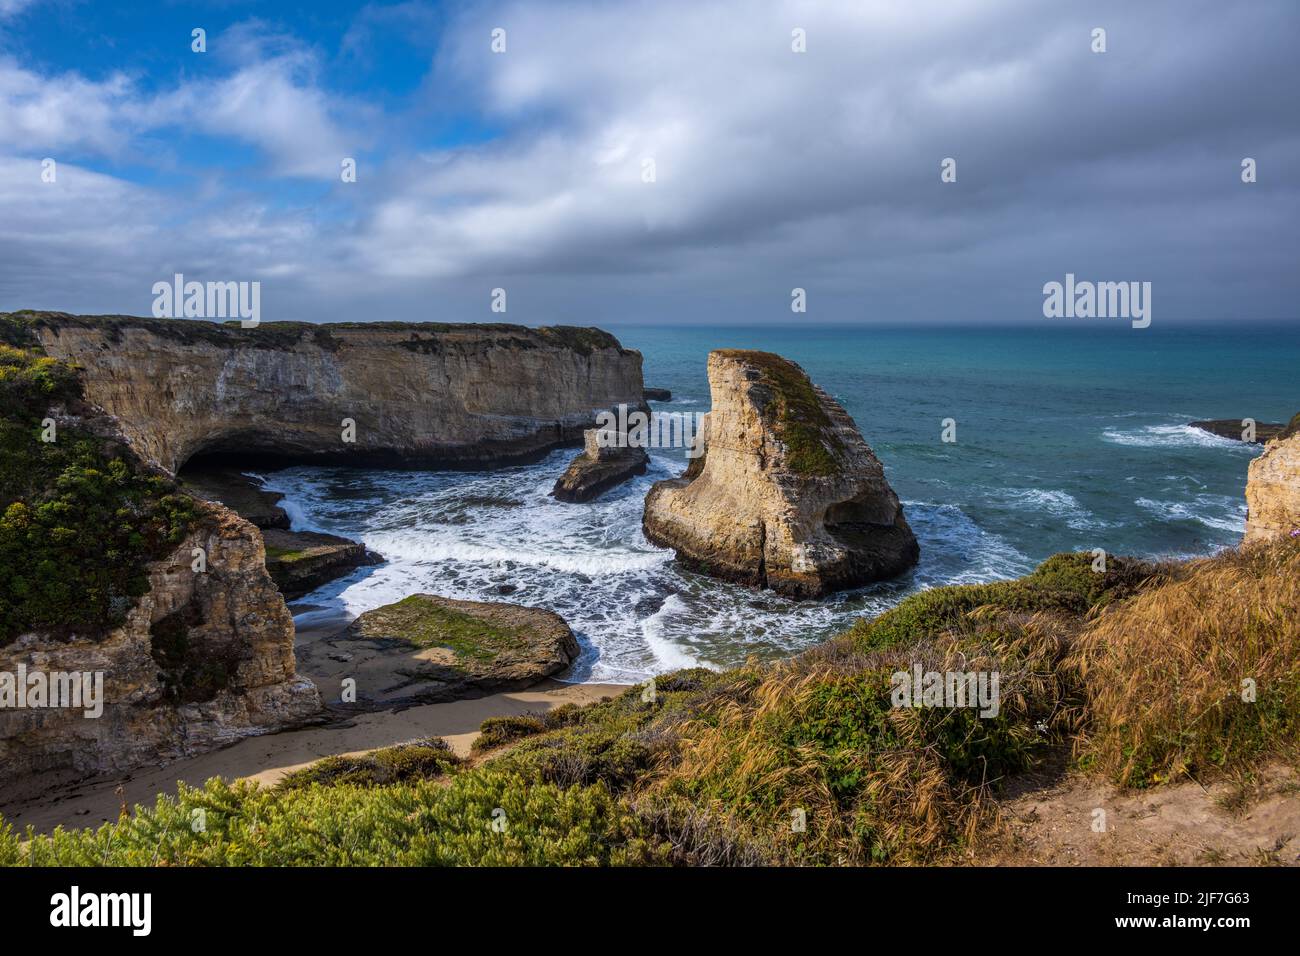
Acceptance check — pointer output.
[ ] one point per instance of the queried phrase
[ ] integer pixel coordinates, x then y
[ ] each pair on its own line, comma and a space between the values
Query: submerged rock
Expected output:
1273, 489
301, 561
787, 494
426, 649
1234, 429
608, 459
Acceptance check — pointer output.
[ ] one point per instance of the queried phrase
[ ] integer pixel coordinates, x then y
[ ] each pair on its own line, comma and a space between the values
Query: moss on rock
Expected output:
797, 415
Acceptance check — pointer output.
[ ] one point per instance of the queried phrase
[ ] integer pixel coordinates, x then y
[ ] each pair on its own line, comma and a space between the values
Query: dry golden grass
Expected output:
1163, 672
819, 740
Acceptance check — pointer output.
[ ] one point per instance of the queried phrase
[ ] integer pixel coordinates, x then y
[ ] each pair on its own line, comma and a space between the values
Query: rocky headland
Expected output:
787, 494
371, 393
1273, 490
111, 578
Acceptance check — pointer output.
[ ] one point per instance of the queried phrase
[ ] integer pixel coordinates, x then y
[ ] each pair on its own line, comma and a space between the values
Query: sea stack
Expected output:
608, 459
787, 494
1273, 489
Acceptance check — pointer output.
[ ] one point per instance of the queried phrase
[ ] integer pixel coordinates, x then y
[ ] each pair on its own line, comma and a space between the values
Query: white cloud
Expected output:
773, 168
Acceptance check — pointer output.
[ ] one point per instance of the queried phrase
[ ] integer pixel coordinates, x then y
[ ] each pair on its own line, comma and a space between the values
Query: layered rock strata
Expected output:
204, 658
1273, 492
373, 393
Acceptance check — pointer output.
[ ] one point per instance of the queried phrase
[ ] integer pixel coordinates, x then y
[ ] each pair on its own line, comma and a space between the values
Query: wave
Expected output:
956, 550
1170, 436
417, 548
1060, 505
499, 536
1214, 511
653, 628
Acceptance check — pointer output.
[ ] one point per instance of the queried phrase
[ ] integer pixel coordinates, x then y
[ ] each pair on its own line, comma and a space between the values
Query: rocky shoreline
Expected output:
787, 496
1236, 429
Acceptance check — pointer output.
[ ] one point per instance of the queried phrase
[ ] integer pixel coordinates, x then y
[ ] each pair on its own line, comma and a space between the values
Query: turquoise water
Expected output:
1068, 438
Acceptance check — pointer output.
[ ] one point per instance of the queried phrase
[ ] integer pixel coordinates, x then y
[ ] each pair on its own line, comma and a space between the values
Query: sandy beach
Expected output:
267, 758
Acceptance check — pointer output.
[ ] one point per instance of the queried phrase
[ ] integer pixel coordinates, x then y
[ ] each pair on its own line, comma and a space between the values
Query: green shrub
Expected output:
403, 763
1063, 584
79, 519
420, 823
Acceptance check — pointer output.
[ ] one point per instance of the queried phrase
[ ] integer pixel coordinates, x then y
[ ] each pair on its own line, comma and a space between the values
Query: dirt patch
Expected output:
1245, 822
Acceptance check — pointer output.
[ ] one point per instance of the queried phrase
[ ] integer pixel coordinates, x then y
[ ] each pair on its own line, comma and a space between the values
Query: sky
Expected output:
668, 161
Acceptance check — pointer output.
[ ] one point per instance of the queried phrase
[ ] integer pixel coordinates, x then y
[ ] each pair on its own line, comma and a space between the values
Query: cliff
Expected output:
1273, 490
418, 393
787, 495
111, 580
201, 661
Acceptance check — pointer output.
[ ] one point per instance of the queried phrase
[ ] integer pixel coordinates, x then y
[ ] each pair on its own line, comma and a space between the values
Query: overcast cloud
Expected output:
773, 169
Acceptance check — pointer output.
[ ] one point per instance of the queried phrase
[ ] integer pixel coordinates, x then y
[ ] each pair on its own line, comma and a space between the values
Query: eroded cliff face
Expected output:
203, 659
426, 394
788, 495
1273, 492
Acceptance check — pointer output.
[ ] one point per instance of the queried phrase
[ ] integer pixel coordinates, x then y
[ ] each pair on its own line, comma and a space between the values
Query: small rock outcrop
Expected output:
1273, 490
787, 494
657, 395
241, 494
608, 459
429, 649
302, 561
1235, 429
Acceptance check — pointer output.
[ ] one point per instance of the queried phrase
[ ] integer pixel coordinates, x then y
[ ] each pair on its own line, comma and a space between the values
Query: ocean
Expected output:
1068, 437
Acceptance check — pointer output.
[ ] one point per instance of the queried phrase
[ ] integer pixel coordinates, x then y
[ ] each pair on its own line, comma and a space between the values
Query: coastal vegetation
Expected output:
1140, 674
79, 517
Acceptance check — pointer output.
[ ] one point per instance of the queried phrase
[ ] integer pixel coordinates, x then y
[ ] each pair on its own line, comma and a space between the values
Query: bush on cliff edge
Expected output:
79, 519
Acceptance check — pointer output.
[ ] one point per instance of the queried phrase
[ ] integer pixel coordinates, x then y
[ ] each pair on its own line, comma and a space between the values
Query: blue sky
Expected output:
774, 169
